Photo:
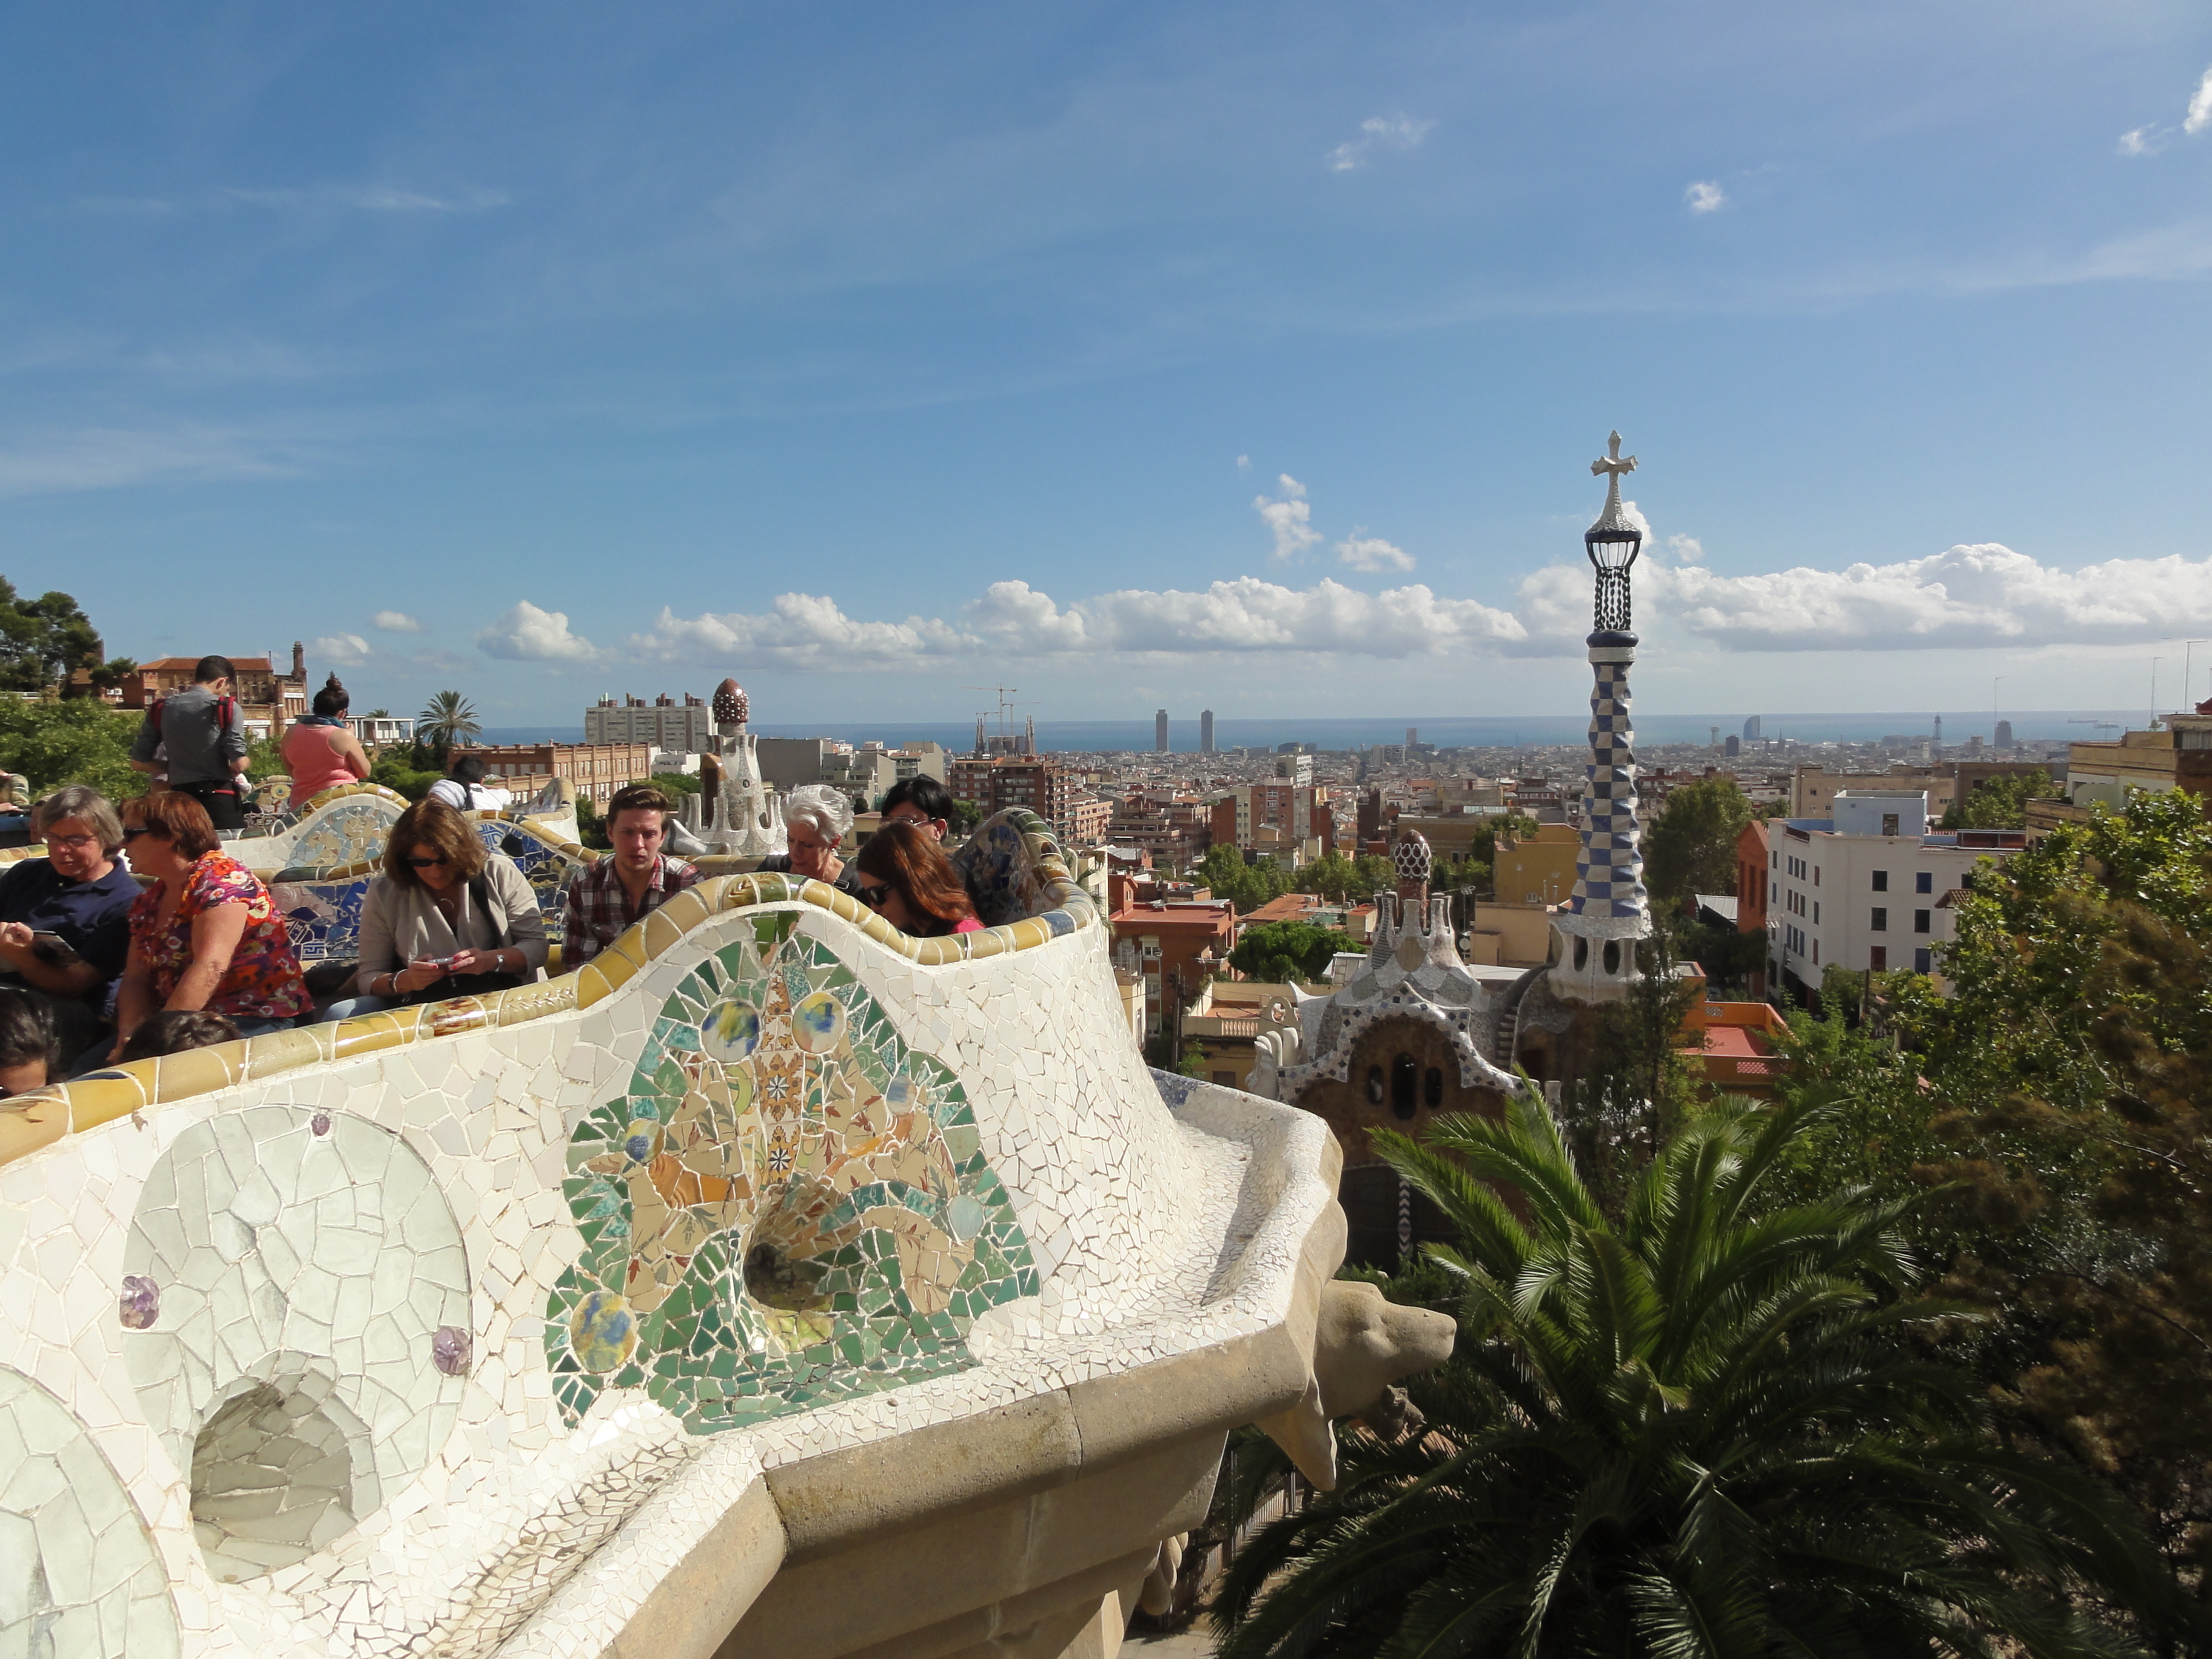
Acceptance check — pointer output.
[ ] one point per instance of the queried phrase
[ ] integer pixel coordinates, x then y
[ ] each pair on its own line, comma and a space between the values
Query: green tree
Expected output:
966, 814
1999, 803
80, 740
1691, 848
676, 785
448, 720
1331, 876
1282, 951
1689, 1428
1248, 886
43, 641
393, 766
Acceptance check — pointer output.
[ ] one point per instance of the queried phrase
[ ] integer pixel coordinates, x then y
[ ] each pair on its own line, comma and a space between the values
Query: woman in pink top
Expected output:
906, 879
321, 750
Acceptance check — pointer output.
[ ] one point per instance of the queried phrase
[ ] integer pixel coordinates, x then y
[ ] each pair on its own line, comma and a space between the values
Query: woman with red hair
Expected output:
908, 880
206, 934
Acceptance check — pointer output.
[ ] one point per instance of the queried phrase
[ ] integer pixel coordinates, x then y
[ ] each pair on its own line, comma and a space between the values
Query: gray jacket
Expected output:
201, 745
400, 924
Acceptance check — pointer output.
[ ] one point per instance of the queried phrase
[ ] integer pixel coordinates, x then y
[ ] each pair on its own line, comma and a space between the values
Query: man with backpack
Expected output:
198, 727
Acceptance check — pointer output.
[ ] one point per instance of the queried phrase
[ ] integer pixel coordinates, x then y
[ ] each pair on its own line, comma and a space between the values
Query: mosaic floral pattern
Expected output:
789, 1207
350, 831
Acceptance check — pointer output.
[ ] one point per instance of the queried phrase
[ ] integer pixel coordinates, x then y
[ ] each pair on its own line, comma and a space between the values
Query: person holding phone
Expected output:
65, 919
447, 918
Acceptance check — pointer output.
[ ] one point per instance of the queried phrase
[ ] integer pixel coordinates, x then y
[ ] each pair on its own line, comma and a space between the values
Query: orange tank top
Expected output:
312, 753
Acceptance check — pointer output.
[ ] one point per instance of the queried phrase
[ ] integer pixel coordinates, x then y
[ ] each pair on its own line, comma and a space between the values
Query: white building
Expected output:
1860, 890
682, 728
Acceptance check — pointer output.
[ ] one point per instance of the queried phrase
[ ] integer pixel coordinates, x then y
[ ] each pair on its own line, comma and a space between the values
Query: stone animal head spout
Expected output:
1364, 1343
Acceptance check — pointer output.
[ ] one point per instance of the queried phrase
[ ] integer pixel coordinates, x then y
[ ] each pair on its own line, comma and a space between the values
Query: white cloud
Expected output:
1290, 518
2200, 106
1683, 550
1983, 594
110, 457
2144, 141
1373, 553
1243, 463
343, 649
1012, 619
368, 198
526, 634
1706, 197
1390, 132
396, 621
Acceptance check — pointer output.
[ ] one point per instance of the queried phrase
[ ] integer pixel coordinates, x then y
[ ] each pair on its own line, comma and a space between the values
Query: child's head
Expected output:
30, 1044
175, 1030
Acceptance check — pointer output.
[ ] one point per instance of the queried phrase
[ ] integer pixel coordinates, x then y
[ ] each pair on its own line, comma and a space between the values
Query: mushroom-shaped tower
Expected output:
1594, 940
738, 816
732, 706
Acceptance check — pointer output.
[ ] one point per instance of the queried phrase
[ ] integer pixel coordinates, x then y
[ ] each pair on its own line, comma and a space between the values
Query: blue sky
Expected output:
1238, 355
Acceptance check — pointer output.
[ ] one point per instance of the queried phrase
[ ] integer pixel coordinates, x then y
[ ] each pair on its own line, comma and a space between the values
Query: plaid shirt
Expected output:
599, 906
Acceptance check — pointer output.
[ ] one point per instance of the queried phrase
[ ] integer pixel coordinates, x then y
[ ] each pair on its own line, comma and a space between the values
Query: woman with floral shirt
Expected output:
206, 934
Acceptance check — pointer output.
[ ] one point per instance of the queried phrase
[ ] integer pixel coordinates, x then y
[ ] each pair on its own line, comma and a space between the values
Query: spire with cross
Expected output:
1614, 541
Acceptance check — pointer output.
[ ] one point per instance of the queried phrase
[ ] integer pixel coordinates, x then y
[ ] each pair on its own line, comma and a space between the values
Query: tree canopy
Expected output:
446, 719
43, 641
1690, 1425
80, 741
1998, 803
1283, 951
1691, 848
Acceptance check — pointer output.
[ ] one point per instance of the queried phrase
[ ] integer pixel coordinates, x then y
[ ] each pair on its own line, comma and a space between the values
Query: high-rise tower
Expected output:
1160, 733
1206, 730
1594, 940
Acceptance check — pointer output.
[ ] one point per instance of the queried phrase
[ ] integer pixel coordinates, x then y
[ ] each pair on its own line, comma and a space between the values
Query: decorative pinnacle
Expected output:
1609, 466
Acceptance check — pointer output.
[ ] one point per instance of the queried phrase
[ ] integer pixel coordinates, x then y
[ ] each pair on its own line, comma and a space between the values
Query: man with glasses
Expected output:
65, 919
627, 884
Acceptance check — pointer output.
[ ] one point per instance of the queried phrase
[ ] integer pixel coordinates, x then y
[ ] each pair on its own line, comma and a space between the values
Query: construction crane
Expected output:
1005, 694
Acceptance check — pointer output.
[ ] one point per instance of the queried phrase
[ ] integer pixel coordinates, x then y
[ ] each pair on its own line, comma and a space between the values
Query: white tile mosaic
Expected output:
389, 1350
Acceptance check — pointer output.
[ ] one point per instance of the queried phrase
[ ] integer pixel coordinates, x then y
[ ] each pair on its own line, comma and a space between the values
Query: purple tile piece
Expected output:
141, 1302
452, 1349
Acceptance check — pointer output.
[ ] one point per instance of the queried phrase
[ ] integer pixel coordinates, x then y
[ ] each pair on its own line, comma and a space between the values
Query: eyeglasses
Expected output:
77, 843
424, 864
874, 896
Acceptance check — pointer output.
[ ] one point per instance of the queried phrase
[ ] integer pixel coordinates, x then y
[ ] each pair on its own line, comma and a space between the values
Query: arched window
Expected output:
1612, 955
1581, 954
1374, 1085
1405, 1086
1433, 1087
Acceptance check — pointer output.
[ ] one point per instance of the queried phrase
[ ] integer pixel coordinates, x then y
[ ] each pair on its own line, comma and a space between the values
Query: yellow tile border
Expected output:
41, 1117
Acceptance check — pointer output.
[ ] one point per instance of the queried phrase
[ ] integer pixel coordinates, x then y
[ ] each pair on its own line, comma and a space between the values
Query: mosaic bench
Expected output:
776, 1283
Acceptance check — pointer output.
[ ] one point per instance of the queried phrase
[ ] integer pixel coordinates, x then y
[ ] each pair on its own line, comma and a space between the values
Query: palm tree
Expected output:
448, 719
1691, 1433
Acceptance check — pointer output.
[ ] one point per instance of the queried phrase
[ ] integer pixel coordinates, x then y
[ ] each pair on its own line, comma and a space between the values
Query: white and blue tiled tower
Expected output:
1594, 938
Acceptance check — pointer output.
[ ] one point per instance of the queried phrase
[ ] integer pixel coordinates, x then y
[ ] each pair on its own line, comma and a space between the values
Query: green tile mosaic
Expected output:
788, 1207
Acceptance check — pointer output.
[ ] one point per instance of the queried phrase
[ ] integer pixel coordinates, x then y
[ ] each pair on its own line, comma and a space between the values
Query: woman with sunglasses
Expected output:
206, 934
905, 879
447, 918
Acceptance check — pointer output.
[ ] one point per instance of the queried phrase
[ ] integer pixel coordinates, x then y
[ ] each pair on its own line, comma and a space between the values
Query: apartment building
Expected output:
1045, 787
667, 726
597, 769
1859, 889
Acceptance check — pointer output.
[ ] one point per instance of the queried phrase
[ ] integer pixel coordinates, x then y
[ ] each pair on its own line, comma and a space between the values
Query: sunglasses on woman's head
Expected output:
423, 863
131, 832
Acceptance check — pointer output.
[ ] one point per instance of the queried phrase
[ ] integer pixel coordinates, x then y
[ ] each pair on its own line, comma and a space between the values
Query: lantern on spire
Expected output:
1613, 543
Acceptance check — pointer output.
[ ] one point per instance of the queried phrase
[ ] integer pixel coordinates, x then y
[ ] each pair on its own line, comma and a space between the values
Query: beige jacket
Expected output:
400, 924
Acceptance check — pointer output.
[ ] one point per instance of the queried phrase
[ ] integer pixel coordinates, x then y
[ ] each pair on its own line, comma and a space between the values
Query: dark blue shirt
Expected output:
93, 918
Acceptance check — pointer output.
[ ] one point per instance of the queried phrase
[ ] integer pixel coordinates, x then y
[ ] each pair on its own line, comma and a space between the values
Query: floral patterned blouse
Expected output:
264, 980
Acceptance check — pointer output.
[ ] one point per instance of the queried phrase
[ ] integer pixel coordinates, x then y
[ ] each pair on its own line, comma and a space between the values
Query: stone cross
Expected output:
1613, 461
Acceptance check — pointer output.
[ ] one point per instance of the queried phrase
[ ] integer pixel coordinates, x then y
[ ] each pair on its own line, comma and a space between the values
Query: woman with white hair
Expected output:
65, 919
816, 821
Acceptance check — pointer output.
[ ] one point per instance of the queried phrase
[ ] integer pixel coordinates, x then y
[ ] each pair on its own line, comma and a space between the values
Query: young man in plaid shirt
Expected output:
629, 883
